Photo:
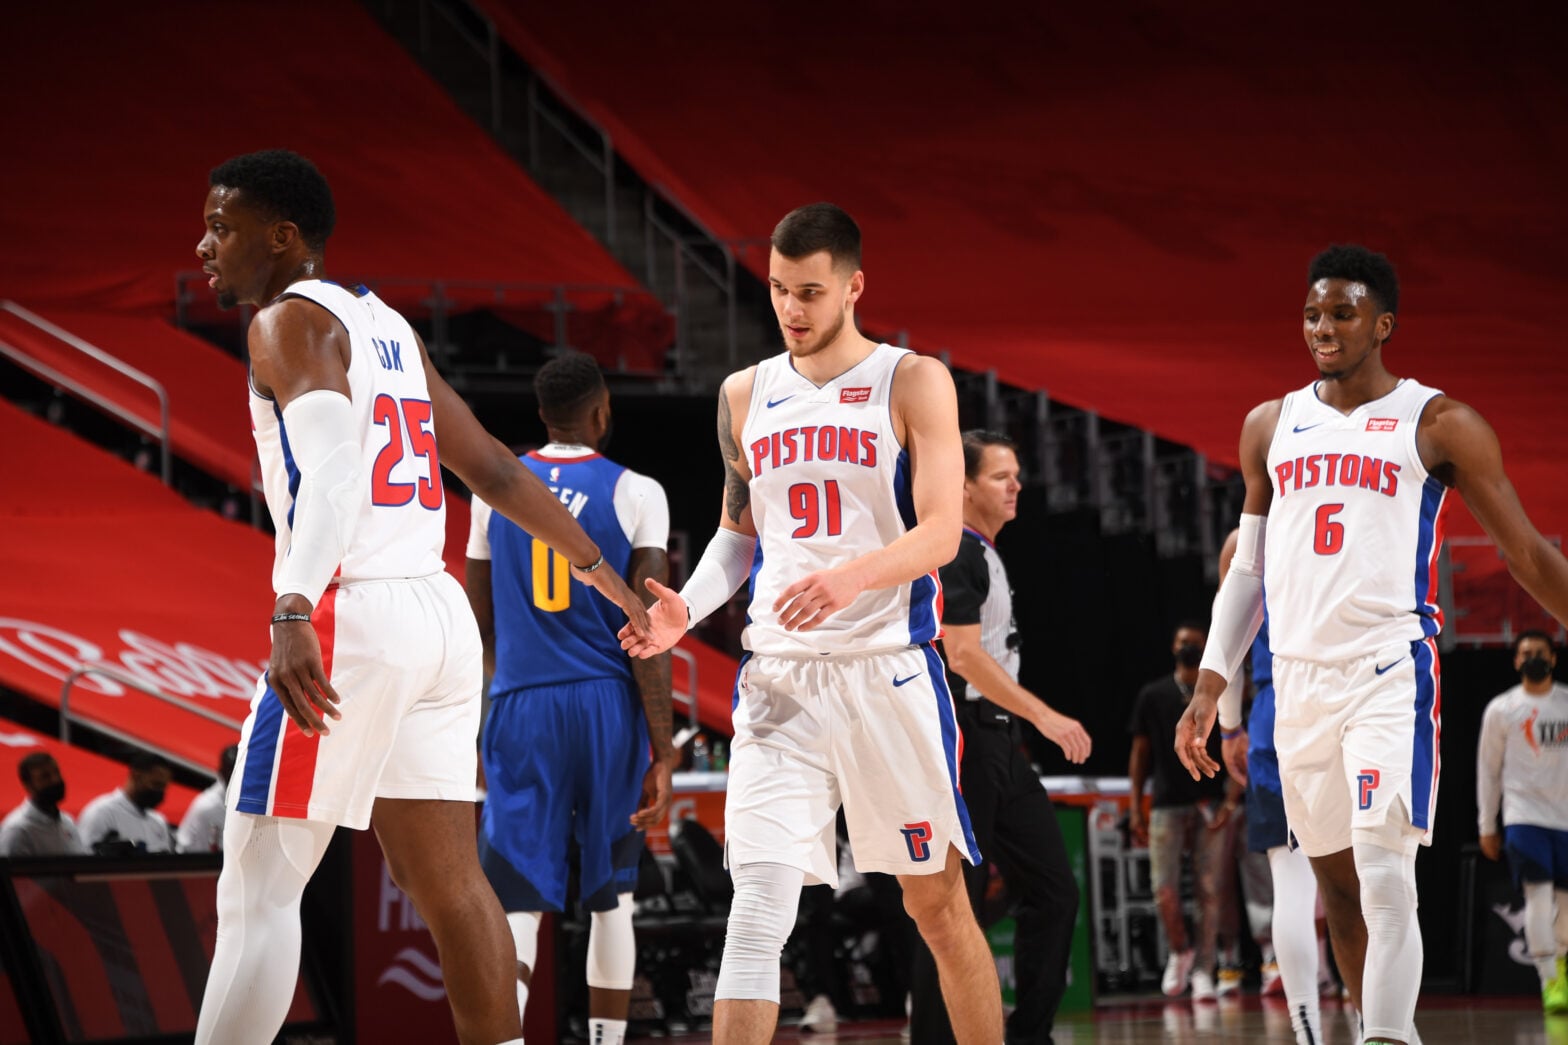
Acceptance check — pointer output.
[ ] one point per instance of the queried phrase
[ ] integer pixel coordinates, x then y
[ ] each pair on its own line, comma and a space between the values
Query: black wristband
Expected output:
279, 618
591, 566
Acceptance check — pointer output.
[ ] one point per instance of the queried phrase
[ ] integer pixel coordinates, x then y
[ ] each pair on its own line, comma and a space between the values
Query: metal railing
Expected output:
683, 736
126, 679
48, 373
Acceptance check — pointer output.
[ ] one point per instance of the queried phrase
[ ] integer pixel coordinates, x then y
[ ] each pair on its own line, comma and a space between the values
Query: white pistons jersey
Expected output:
1350, 564
829, 483
402, 516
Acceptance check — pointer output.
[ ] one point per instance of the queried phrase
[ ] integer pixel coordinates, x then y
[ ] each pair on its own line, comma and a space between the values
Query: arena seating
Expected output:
1133, 242
105, 220
87, 775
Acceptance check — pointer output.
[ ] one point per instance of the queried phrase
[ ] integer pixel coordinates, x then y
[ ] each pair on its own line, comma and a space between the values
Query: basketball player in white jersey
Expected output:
376, 659
1352, 473
843, 479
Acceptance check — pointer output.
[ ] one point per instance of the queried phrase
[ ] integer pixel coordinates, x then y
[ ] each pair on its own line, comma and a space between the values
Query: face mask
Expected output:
1536, 669
1189, 654
148, 797
52, 795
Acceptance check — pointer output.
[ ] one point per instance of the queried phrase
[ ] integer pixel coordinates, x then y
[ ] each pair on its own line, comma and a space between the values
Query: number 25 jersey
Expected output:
401, 527
1350, 563
829, 483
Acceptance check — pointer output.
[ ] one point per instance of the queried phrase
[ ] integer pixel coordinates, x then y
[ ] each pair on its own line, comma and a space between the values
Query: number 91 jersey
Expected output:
401, 527
1350, 564
829, 483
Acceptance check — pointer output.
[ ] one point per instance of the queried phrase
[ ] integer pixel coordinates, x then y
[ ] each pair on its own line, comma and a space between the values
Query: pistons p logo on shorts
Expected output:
918, 838
1366, 783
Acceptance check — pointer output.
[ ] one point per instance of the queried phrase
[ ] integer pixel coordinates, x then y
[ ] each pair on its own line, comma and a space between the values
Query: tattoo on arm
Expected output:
653, 675
737, 491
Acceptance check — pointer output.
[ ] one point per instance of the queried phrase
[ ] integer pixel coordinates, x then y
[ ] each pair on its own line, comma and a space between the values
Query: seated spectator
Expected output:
126, 819
39, 827
202, 829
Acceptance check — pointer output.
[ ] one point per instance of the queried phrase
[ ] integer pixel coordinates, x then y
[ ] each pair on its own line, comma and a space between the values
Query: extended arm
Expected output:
923, 396
1454, 436
653, 683
968, 658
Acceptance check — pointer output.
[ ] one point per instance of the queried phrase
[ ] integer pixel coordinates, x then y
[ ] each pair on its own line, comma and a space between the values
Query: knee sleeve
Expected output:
761, 919
1391, 978
612, 947
1562, 920
1538, 919
525, 935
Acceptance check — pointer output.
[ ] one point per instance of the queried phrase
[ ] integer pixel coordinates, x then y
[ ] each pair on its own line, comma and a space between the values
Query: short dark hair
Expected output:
565, 385
1534, 633
24, 768
975, 442
227, 757
284, 186
145, 761
1357, 264
1191, 624
819, 226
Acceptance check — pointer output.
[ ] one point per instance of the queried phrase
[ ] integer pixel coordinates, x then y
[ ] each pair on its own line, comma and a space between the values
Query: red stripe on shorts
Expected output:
297, 762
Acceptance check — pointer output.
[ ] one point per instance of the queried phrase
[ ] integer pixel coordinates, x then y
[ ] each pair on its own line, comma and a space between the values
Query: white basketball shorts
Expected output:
405, 657
1356, 737
875, 732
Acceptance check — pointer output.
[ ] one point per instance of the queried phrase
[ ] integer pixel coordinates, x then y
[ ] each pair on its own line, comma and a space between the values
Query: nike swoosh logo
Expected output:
1303, 428
899, 682
1384, 671
775, 402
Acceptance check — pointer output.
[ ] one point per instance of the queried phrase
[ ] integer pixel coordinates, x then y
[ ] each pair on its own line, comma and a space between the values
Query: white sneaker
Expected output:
820, 1016
1178, 967
1202, 986
1272, 982
1229, 981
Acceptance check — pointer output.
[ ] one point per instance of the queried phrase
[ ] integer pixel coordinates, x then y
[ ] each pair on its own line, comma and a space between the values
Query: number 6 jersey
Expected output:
829, 483
1350, 565
402, 515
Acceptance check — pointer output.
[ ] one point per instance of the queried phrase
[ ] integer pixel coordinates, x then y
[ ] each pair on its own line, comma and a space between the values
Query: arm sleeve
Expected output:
723, 568
643, 510
1489, 769
1238, 608
323, 437
965, 584
479, 529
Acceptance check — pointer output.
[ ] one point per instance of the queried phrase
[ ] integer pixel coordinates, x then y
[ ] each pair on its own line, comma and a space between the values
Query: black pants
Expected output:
1015, 825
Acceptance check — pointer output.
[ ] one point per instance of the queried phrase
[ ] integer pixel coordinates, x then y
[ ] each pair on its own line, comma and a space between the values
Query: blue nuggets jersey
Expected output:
550, 630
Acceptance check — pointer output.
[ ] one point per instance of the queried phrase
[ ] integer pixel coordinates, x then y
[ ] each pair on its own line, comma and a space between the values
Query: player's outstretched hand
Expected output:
1192, 737
297, 676
814, 598
1234, 751
666, 619
1066, 733
612, 587
657, 790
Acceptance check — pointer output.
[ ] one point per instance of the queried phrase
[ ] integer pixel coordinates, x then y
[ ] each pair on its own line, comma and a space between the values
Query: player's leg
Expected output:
255, 963
780, 812
612, 964
524, 927
432, 856
939, 905
1295, 939
1213, 877
1340, 889
983, 761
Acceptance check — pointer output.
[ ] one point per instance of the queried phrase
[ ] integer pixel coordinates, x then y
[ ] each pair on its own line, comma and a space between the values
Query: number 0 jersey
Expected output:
829, 483
550, 630
402, 513
1350, 564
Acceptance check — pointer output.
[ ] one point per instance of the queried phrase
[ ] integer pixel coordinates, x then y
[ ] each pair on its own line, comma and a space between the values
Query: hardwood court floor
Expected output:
1440, 1020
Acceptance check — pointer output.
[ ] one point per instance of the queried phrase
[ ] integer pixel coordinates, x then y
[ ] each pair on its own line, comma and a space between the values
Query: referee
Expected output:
1013, 820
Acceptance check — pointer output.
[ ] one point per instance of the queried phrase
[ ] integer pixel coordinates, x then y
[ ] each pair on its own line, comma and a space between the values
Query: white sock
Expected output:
606, 1032
1296, 940
255, 963
1391, 977
1539, 935
525, 937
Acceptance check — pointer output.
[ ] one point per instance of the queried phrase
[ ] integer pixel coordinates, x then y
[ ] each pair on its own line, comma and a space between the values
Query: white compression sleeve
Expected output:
767, 897
324, 442
1238, 608
724, 567
612, 946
